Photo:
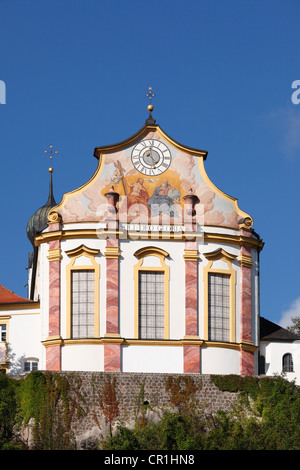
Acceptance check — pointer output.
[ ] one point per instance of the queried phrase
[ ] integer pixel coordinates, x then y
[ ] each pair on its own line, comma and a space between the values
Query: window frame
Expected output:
290, 360
4, 321
163, 268
212, 317
91, 266
30, 360
1, 332
82, 317
143, 301
228, 258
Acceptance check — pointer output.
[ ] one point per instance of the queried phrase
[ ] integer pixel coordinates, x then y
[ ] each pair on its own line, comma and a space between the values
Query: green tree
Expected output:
295, 328
8, 408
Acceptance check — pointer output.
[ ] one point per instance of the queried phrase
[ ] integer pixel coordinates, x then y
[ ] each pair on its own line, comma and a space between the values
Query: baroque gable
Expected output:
151, 189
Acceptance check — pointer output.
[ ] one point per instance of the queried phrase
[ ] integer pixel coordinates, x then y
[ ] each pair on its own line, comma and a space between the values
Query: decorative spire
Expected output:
51, 201
150, 107
39, 220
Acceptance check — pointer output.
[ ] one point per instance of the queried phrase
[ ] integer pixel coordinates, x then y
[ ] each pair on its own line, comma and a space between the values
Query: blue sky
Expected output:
76, 74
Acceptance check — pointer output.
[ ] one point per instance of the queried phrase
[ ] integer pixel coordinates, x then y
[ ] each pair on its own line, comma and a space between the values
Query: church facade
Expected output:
148, 267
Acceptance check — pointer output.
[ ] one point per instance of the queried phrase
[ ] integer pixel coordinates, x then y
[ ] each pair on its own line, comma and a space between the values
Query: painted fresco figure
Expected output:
163, 199
138, 197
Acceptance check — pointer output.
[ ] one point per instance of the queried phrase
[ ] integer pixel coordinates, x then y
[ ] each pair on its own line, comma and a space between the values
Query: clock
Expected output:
151, 157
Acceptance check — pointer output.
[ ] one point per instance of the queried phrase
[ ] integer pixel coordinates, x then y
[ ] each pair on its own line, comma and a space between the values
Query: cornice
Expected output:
246, 261
191, 255
141, 133
54, 255
20, 306
219, 254
151, 251
186, 341
112, 252
239, 240
82, 250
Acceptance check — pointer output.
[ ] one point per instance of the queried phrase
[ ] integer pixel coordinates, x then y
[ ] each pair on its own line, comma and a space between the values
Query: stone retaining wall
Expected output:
137, 393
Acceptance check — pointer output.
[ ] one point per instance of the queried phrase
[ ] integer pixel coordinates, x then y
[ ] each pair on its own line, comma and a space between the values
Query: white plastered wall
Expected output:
23, 338
274, 352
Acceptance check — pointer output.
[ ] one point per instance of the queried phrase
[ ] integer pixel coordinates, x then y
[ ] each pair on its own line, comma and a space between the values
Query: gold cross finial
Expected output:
150, 107
51, 152
150, 94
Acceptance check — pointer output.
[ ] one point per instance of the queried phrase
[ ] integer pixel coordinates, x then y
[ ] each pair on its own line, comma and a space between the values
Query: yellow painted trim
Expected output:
191, 255
112, 335
233, 239
219, 254
54, 255
21, 306
112, 252
4, 320
161, 254
73, 254
112, 340
99, 151
66, 196
151, 251
82, 250
95, 233
245, 260
228, 258
54, 338
54, 218
57, 341
153, 342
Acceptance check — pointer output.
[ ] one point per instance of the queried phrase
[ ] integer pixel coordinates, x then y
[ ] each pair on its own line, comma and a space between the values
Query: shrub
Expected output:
8, 408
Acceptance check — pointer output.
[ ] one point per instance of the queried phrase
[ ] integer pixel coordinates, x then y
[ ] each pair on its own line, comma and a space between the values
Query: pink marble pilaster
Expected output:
112, 357
245, 287
191, 297
112, 350
191, 288
246, 357
53, 358
112, 289
246, 362
191, 359
53, 353
54, 292
191, 353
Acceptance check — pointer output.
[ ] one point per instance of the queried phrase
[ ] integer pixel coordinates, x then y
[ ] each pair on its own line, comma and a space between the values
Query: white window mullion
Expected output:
151, 305
218, 307
83, 303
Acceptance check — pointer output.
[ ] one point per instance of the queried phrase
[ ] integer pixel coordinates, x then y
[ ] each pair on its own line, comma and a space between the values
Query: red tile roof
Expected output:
9, 297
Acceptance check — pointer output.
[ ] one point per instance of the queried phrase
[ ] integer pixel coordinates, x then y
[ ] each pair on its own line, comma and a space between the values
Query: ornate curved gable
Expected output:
152, 174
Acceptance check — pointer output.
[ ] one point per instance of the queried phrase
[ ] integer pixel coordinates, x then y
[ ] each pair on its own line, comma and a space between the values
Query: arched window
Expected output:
83, 273
151, 276
219, 278
287, 363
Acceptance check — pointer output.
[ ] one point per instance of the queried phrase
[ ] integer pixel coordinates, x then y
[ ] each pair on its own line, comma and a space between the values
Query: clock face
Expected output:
151, 157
